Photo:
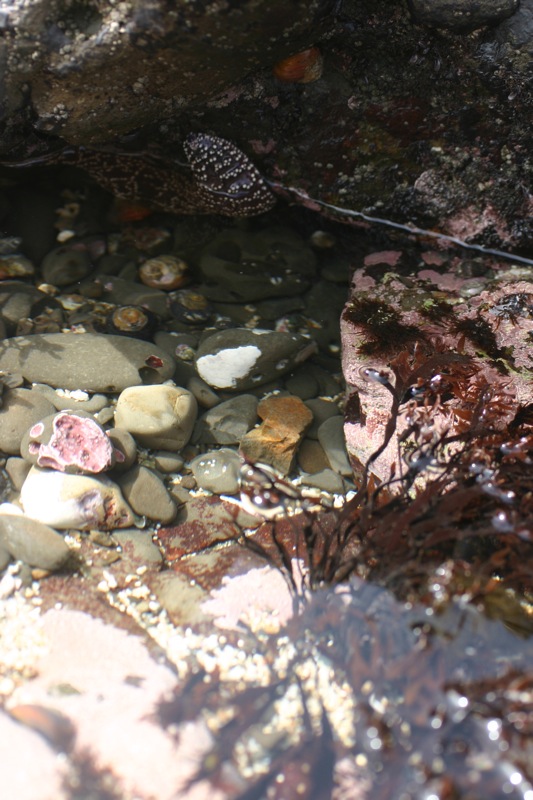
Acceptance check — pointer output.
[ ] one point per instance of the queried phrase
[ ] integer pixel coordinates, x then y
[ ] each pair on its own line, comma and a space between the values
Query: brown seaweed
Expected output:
416, 597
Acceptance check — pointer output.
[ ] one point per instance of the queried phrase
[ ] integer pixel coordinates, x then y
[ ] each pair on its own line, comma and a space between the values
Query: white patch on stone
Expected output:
223, 369
74, 501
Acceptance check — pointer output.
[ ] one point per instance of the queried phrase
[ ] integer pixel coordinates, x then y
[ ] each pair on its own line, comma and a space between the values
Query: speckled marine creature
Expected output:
217, 179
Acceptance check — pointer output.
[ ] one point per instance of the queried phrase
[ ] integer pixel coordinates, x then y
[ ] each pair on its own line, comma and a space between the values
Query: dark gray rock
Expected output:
321, 410
93, 362
129, 293
227, 422
66, 264
462, 14
240, 266
147, 494
240, 359
95, 70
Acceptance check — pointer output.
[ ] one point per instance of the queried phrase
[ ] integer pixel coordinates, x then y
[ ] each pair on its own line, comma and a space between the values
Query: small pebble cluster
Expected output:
139, 369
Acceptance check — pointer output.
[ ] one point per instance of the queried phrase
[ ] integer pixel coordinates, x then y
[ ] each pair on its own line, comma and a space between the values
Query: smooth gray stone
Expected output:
126, 293
302, 384
30, 541
147, 494
242, 266
166, 461
65, 265
21, 408
218, 471
229, 421
92, 405
123, 440
331, 437
5, 558
205, 396
321, 410
17, 470
93, 362
327, 480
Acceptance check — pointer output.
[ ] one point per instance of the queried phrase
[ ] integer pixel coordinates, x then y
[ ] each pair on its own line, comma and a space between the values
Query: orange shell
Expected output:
304, 67
130, 211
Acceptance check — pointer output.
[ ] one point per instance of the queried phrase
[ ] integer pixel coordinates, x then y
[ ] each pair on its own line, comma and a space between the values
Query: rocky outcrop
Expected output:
418, 110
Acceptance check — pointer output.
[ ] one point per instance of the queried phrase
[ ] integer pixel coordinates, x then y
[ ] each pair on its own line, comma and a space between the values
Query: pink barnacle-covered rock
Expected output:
69, 442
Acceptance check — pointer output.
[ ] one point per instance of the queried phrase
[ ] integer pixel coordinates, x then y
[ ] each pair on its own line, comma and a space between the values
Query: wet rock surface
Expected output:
33, 543
92, 362
462, 15
240, 359
180, 607
431, 95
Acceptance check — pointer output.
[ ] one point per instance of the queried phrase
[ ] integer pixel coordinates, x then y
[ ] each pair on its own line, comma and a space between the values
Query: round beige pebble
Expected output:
159, 417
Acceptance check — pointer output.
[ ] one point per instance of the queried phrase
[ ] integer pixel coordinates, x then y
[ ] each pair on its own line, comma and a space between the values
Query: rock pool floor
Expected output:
186, 640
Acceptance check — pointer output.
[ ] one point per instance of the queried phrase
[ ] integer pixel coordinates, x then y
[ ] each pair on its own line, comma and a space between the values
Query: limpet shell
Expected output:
304, 67
135, 321
15, 266
164, 272
190, 307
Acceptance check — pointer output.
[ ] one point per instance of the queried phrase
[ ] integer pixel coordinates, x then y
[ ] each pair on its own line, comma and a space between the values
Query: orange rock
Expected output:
276, 440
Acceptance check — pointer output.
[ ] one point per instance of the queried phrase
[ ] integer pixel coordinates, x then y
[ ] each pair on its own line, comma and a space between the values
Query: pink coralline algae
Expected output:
77, 444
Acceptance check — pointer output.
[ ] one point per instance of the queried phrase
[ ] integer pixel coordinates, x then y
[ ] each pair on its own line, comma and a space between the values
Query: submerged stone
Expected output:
89, 361
74, 501
68, 442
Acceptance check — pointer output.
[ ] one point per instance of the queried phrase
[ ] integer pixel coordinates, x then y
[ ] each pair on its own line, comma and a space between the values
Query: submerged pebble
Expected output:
92, 362
147, 494
74, 501
30, 541
218, 471
69, 442
229, 421
240, 358
331, 437
21, 408
66, 264
160, 417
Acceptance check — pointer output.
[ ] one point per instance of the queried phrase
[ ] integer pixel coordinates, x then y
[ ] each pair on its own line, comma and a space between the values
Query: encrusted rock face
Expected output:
420, 112
462, 14
95, 70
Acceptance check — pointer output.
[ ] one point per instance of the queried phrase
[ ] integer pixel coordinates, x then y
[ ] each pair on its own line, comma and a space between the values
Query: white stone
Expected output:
222, 370
74, 501
160, 417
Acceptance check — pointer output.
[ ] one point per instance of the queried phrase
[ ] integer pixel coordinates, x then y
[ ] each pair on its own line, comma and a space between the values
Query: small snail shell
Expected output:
134, 321
304, 67
190, 307
164, 272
